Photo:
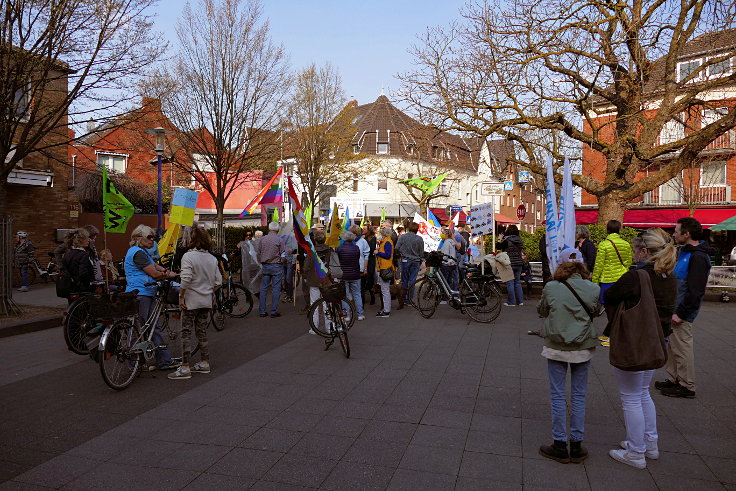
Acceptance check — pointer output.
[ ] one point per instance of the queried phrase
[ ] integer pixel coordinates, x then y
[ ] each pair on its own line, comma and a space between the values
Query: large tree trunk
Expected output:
220, 229
611, 206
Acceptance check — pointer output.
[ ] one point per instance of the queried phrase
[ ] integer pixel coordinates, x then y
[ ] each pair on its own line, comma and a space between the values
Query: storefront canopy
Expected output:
661, 217
728, 224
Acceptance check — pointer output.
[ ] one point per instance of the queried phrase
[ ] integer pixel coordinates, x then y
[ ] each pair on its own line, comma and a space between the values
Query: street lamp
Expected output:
160, 144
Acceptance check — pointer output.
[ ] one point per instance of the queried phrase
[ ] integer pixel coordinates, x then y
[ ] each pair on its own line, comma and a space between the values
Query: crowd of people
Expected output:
613, 279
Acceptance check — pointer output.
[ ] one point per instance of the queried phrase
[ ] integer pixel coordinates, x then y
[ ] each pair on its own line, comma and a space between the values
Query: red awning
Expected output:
661, 217
441, 214
504, 219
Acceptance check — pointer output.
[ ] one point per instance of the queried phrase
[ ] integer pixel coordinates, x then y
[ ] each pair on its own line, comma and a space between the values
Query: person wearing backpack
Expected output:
568, 303
655, 254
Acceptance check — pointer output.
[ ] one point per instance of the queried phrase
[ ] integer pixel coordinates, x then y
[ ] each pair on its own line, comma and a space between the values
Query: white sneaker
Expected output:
23, 289
521, 304
652, 450
361, 317
629, 458
311, 331
506, 304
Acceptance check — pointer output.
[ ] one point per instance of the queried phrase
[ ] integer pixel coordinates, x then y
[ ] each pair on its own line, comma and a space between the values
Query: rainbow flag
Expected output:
271, 193
301, 233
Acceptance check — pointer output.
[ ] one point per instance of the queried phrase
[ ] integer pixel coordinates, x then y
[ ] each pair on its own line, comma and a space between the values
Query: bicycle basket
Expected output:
434, 259
334, 293
111, 306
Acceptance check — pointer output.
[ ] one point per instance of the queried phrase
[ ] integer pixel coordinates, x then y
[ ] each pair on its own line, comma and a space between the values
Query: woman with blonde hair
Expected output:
655, 253
140, 270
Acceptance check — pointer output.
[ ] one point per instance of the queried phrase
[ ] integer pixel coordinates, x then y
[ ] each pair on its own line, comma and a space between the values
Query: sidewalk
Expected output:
421, 404
42, 310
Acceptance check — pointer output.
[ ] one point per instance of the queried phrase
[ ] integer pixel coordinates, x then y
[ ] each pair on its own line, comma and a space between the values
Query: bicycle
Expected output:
478, 295
124, 344
336, 313
232, 300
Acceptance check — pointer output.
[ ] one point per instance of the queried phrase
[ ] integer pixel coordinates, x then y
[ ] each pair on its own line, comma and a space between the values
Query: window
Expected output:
443, 188
382, 148
720, 69
382, 184
356, 149
21, 102
436, 152
202, 163
712, 115
713, 174
685, 68
672, 130
671, 191
113, 161
355, 185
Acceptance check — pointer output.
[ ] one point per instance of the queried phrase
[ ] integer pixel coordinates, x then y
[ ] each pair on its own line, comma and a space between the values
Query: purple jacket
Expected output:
349, 255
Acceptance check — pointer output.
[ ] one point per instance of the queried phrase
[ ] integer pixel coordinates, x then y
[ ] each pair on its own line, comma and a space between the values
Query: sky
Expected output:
367, 41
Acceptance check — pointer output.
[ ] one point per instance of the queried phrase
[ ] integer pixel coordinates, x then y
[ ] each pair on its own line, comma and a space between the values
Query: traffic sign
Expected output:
521, 212
524, 176
508, 185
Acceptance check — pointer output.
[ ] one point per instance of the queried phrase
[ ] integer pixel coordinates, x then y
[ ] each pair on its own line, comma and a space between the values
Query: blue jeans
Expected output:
24, 281
513, 287
451, 275
145, 304
557, 371
409, 272
352, 290
289, 279
272, 274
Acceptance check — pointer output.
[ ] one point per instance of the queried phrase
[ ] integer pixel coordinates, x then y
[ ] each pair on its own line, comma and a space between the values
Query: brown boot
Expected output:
557, 451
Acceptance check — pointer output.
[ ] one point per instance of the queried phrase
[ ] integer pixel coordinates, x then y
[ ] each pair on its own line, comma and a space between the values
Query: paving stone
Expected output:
390, 431
471, 484
295, 421
273, 439
322, 446
340, 426
20, 486
357, 476
263, 485
492, 467
440, 436
545, 472
376, 452
206, 482
313, 406
245, 462
432, 459
680, 465
353, 409
615, 478
301, 470
132, 477
57, 471
411, 480
499, 443
685, 484
724, 469
193, 457
447, 418
400, 414
450, 403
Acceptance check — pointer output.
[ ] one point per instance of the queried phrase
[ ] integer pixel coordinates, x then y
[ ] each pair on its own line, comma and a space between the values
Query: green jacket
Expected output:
608, 267
568, 326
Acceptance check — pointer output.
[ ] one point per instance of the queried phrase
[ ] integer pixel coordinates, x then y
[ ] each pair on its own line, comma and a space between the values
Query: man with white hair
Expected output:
270, 251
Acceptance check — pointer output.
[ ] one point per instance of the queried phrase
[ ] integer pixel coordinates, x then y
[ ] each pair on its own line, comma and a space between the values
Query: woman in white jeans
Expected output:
655, 253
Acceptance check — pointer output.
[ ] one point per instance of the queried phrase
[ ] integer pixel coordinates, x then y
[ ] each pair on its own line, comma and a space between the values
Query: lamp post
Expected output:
160, 145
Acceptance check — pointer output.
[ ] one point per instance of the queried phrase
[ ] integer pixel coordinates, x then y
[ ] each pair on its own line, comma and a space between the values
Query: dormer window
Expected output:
721, 68
356, 148
686, 68
382, 148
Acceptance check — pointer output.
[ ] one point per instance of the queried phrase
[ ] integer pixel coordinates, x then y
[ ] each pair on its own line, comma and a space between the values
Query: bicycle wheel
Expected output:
76, 325
341, 333
217, 319
483, 301
119, 361
427, 298
320, 317
239, 302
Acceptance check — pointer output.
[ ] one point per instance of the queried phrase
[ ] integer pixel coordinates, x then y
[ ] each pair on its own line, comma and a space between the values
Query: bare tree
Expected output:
223, 90
600, 75
64, 62
319, 131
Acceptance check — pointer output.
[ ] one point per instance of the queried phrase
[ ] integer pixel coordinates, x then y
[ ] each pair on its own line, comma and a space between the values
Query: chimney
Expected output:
151, 105
91, 126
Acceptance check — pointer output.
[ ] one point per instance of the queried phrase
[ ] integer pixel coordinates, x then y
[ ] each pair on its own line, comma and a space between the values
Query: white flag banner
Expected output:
566, 223
550, 217
481, 219
428, 232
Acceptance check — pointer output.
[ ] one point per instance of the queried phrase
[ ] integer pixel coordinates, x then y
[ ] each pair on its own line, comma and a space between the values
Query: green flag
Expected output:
425, 184
308, 215
275, 216
383, 217
362, 222
117, 210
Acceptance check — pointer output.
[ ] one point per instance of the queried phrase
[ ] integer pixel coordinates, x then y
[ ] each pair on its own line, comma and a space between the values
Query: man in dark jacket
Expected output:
692, 270
513, 246
410, 249
584, 245
351, 263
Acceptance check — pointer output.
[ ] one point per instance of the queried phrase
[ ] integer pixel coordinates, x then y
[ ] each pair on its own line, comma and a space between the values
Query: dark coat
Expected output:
349, 255
513, 246
79, 266
589, 251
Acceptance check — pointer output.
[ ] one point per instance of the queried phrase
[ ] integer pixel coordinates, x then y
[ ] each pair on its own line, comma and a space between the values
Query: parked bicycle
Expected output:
231, 300
36, 271
478, 295
332, 315
125, 345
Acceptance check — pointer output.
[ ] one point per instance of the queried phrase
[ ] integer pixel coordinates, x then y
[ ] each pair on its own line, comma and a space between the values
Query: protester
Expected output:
291, 248
76, 261
249, 266
394, 233
365, 252
692, 270
513, 246
546, 271
368, 280
384, 260
92, 251
23, 255
200, 277
504, 271
140, 270
584, 245
449, 246
351, 263
526, 274
310, 276
654, 253
110, 274
569, 341
410, 248
270, 252
613, 257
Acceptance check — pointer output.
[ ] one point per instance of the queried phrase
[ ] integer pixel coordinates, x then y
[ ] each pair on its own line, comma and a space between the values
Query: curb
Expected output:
23, 327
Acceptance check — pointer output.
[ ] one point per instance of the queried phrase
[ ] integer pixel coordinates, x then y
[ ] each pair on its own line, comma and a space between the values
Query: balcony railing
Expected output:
724, 142
705, 195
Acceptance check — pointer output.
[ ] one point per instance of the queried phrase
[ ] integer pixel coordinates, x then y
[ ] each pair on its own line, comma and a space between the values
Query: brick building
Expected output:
705, 187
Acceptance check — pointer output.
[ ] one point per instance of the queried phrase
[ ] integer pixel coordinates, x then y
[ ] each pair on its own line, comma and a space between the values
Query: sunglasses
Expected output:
151, 237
